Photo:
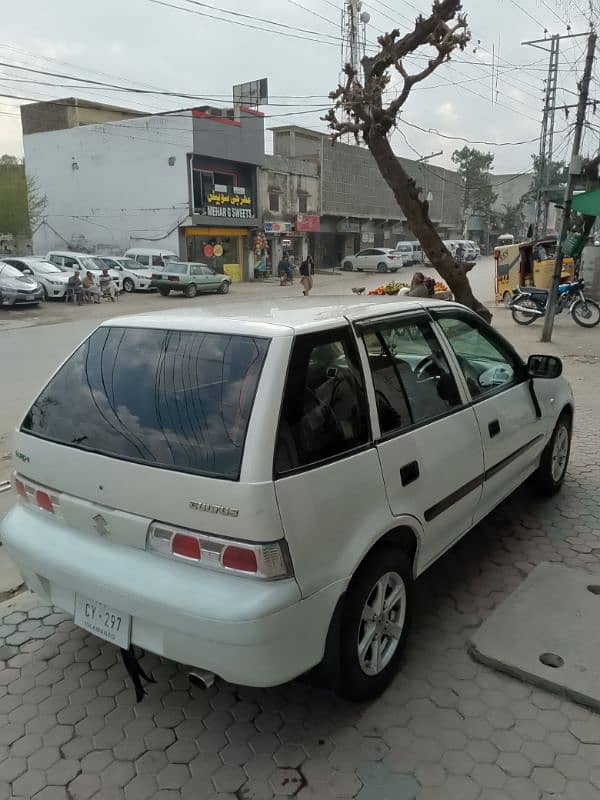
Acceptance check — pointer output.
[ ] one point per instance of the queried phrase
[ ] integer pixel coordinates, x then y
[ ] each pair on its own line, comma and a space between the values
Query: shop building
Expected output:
357, 208
185, 181
289, 195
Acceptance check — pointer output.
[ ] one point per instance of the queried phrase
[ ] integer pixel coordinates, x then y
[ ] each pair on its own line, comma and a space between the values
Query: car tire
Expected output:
550, 474
45, 292
381, 267
385, 573
347, 266
191, 290
223, 288
128, 285
165, 292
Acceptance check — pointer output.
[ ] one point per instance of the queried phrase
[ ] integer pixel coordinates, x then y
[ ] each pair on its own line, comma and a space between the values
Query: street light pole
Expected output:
584, 89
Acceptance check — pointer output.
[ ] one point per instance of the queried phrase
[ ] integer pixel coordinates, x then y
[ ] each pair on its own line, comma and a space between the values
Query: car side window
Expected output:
56, 260
206, 271
487, 364
195, 271
157, 261
71, 262
143, 260
412, 379
324, 413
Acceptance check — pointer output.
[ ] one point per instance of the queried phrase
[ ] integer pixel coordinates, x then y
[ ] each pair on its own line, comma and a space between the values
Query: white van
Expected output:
412, 253
253, 490
151, 257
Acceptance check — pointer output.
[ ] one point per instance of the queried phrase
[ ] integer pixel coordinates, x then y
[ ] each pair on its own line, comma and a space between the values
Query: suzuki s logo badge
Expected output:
209, 508
100, 524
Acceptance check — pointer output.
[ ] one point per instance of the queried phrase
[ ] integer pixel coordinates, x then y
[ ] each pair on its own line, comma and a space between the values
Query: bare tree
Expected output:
360, 110
37, 203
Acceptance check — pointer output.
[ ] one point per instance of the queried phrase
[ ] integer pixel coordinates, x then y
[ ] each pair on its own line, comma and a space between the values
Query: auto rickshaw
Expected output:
527, 264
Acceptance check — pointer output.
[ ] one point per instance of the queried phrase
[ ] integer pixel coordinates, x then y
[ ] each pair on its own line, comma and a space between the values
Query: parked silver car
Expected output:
17, 289
52, 278
374, 259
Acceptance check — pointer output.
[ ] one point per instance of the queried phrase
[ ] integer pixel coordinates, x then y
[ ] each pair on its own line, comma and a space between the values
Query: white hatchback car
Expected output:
374, 259
83, 262
254, 491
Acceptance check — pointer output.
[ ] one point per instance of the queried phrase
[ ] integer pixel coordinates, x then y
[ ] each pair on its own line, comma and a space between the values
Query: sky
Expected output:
145, 44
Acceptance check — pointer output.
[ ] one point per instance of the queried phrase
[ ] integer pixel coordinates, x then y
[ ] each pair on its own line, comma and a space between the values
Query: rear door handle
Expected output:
409, 473
494, 428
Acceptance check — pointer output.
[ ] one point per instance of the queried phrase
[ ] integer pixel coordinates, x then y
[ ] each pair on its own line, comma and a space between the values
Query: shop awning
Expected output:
587, 203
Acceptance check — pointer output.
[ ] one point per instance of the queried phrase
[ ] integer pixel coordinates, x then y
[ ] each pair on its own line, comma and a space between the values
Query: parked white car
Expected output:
71, 262
254, 490
135, 277
374, 259
51, 278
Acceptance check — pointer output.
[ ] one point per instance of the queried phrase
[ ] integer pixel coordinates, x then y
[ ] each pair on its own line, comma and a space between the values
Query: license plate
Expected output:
103, 621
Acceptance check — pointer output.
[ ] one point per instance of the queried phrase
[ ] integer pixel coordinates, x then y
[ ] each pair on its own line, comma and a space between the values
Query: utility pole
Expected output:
546, 150
584, 89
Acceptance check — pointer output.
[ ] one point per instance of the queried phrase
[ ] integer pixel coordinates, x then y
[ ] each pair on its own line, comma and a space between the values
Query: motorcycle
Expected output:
530, 304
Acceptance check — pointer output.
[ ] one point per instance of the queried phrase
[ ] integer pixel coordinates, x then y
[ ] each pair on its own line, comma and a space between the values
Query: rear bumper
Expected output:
248, 632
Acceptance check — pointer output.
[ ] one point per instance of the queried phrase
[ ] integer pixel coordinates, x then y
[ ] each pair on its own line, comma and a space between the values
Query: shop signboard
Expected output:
278, 227
231, 204
308, 222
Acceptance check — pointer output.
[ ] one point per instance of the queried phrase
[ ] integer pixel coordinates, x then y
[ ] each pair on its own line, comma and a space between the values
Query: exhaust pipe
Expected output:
533, 311
202, 678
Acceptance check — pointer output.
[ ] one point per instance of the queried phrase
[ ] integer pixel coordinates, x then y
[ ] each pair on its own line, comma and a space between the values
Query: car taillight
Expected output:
44, 498
187, 546
44, 502
269, 561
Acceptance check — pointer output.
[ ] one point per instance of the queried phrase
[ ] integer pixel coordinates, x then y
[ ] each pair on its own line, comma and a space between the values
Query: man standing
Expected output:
307, 270
285, 272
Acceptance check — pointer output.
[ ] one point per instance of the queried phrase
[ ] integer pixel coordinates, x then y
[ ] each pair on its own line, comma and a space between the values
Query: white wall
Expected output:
110, 186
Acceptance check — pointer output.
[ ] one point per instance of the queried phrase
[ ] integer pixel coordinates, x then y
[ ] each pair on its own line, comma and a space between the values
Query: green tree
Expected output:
474, 167
550, 177
511, 219
37, 202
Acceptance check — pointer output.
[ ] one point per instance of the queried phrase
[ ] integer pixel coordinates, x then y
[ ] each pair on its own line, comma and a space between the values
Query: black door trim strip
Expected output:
473, 484
489, 473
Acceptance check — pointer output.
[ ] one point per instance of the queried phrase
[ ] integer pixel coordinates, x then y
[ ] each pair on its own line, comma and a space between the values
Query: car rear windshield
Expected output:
171, 399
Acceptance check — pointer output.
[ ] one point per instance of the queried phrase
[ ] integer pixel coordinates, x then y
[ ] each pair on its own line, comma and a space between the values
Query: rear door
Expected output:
512, 433
327, 474
428, 439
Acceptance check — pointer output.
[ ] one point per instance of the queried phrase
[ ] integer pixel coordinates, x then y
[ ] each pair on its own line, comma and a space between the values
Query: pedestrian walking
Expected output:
307, 270
460, 253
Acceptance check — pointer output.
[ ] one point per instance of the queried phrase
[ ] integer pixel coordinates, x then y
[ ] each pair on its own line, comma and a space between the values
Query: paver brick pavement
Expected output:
448, 728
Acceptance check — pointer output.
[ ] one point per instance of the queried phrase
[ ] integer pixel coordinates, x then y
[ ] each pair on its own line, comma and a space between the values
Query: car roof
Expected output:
284, 317
70, 253
26, 259
143, 251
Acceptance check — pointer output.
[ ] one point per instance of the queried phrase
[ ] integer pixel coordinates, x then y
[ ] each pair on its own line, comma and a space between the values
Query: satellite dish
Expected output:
365, 17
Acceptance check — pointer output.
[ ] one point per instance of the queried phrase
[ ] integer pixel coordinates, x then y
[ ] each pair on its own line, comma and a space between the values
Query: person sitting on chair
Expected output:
91, 292
107, 285
74, 287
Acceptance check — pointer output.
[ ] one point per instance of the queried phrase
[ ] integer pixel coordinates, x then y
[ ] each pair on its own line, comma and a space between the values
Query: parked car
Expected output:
134, 276
411, 253
71, 262
374, 259
189, 278
52, 279
275, 478
151, 257
17, 289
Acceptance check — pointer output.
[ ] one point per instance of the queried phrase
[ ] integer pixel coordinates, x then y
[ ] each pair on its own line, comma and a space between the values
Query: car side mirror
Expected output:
544, 367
